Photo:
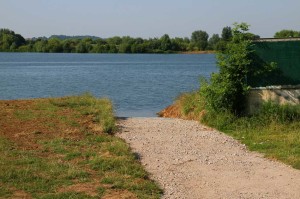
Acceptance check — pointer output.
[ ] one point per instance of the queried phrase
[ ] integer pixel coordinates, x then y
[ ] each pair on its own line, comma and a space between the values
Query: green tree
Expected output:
213, 42
287, 34
124, 48
226, 33
199, 39
125, 45
228, 89
114, 40
10, 41
138, 46
179, 44
40, 45
112, 48
25, 48
153, 44
165, 43
69, 46
81, 47
54, 45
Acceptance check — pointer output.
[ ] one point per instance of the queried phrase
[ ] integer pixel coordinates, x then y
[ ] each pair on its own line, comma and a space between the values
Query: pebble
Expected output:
192, 161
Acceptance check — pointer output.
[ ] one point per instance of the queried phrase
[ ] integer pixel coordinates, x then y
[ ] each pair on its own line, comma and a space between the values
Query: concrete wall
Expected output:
277, 94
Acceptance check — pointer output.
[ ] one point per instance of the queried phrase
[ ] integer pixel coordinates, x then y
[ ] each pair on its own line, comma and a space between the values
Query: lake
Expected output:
139, 85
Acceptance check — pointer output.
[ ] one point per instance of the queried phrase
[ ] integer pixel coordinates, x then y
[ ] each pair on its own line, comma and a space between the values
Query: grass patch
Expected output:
100, 109
122, 165
141, 187
192, 104
25, 114
53, 147
274, 131
73, 195
26, 171
101, 191
5, 192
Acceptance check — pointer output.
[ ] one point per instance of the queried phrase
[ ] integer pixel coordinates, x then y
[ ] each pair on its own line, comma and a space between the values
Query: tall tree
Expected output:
213, 42
165, 43
40, 45
227, 90
10, 41
69, 46
54, 45
226, 33
200, 39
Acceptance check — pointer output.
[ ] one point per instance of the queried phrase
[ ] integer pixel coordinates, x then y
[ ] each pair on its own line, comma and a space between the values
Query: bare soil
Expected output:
192, 161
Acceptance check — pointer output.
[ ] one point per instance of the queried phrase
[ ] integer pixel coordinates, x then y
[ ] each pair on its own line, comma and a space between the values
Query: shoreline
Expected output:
149, 53
199, 52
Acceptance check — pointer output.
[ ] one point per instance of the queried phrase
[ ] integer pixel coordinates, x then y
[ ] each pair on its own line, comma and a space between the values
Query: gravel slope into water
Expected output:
192, 161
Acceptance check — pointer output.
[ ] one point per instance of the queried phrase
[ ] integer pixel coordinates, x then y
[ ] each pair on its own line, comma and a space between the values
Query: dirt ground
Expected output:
192, 161
25, 123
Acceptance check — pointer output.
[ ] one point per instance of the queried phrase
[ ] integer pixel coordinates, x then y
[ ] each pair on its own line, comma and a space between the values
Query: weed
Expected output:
101, 191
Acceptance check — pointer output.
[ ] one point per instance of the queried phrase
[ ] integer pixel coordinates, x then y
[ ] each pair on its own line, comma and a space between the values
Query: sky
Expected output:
141, 18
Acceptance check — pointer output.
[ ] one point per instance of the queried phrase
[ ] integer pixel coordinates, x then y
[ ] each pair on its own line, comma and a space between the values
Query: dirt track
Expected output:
192, 161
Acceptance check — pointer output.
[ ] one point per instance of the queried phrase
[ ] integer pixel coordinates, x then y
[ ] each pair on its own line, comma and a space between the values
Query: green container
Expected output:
286, 54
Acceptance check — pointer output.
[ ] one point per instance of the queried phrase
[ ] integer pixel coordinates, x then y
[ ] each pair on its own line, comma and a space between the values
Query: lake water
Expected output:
139, 85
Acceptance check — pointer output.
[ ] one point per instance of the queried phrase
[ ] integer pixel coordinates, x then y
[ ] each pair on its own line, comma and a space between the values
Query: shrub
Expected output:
227, 89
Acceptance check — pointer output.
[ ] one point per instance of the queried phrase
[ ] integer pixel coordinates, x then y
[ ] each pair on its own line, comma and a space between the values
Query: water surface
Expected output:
138, 84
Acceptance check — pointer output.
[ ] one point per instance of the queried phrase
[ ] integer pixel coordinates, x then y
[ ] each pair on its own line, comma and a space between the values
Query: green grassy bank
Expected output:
65, 148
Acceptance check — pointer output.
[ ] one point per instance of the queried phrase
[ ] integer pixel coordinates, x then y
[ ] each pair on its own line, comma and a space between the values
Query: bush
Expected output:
227, 90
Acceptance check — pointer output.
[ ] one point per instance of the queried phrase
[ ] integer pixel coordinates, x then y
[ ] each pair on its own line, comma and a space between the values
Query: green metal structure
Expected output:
286, 54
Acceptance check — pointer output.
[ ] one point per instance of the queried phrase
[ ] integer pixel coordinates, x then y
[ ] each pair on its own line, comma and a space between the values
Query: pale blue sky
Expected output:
140, 18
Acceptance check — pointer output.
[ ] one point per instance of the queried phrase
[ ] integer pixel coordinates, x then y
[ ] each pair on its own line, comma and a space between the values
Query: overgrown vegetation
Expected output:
64, 148
220, 103
227, 89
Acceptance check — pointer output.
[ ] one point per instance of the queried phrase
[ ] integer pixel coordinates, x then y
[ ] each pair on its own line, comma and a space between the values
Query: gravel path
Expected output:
192, 161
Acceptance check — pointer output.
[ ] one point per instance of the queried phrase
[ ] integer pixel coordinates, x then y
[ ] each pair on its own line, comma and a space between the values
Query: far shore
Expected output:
199, 52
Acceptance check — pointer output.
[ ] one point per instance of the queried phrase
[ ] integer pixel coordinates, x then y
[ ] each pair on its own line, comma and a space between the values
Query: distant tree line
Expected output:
199, 41
287, 34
